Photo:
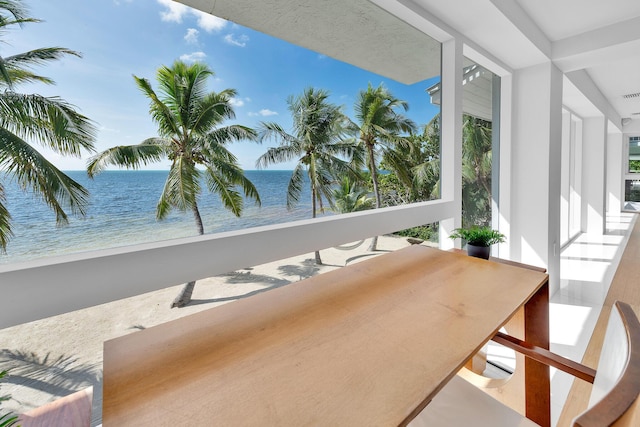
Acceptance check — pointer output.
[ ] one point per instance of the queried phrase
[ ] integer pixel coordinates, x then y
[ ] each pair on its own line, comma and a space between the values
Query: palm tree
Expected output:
190, 135
317, 145
350, 196
476, 171
379, 127
426, 175
49, 121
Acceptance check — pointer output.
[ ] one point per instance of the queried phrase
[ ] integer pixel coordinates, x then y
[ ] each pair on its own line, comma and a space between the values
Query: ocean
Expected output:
122, 212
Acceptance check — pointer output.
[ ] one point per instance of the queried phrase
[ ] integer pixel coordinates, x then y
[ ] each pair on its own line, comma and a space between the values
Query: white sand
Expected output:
53, 357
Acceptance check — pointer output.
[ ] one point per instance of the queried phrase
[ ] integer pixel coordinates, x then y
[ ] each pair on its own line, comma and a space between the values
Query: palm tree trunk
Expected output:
184, 297
376, 191
313, 215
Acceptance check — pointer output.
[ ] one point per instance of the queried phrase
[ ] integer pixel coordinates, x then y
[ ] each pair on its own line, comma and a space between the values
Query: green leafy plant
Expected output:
9, 419
478, 236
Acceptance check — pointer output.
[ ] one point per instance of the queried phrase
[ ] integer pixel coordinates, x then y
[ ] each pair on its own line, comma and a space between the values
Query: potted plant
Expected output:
479, 239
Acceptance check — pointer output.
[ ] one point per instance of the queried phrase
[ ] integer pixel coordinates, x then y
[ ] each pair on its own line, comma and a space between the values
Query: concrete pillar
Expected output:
536, 142
594, 174
451, 137
615, 172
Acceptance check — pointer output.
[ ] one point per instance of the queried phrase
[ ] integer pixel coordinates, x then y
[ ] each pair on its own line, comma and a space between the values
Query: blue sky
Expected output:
121, 38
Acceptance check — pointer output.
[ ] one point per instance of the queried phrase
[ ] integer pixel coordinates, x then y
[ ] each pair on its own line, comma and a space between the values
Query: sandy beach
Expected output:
56, 356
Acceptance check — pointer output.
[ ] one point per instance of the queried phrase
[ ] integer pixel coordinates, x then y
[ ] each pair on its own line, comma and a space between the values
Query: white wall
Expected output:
36, 289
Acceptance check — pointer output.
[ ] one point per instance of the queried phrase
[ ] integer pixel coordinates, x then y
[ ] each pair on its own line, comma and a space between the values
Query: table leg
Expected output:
536, 374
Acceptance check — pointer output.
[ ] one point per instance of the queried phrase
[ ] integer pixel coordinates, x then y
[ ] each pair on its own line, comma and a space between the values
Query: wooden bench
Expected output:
613, 401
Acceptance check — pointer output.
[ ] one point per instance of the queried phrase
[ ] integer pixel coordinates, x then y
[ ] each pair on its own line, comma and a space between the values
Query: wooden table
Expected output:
366, 345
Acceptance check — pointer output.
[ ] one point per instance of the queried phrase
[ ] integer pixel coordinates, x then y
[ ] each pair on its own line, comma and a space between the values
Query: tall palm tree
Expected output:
49, 121
379, 126
189, 123
316, 144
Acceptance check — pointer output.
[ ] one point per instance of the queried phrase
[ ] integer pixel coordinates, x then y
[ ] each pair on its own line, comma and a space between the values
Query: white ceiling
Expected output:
597, 36
614, 68
560, 19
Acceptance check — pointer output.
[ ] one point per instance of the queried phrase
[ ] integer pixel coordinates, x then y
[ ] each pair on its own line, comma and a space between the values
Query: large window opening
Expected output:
480, 144
570, 192
632, 178
394, 62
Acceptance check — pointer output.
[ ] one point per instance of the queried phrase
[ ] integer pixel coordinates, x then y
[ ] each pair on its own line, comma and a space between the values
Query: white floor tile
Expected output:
587, 267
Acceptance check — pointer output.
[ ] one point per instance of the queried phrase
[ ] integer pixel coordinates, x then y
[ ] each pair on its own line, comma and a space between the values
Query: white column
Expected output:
615, 173
594, 174
451, 137
565, 179
506, 125
535, 169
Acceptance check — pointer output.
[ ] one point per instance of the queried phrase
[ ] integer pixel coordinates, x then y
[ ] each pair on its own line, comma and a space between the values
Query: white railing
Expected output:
41, 288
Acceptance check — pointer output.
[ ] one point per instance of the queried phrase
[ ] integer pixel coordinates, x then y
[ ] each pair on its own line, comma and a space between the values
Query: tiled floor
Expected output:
587, 267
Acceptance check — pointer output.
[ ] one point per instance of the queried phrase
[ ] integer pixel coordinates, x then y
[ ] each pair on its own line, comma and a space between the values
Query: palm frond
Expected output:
181, 189
38, 57
230, 197
15, 69
129, 156
227, 168
227, 134
271, 130
47, 120
8, 420
15, 9
5, 221
283, 153
210, 111
160, 112
33, 171
294, 188
324, 184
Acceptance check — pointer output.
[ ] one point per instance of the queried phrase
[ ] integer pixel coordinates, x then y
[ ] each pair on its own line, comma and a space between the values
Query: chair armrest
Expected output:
542, 355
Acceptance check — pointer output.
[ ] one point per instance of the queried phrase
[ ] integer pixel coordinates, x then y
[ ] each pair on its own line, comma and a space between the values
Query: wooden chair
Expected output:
73, 410
614, 397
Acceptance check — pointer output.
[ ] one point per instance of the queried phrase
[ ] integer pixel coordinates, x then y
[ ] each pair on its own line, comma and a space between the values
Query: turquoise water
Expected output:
122, 212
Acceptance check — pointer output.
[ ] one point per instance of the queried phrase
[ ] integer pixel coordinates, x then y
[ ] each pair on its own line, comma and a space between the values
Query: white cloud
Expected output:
264, 113
239, 41
236, 102
209, 23
176, 12
193, 57
192, 36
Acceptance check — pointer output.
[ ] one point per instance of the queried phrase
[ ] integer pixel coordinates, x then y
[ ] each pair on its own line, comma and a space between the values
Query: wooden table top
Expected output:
362, 345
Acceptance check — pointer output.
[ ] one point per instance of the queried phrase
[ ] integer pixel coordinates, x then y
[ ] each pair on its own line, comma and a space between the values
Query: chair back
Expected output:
617, 381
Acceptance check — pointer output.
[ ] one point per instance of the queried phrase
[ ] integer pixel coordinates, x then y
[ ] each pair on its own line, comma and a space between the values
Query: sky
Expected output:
122, 38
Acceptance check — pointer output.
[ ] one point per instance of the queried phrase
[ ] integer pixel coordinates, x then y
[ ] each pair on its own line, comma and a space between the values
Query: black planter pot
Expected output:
478, 251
